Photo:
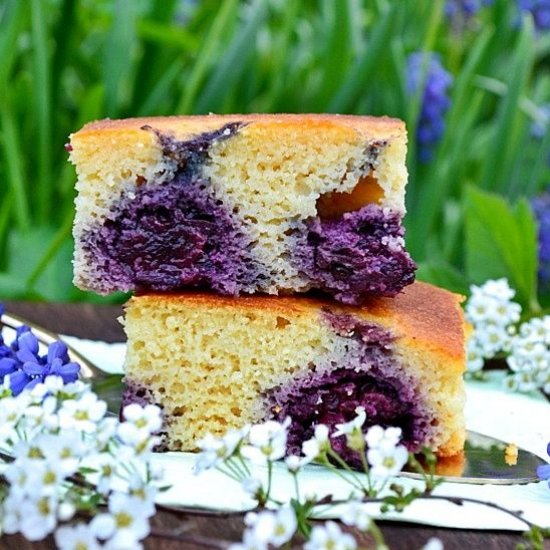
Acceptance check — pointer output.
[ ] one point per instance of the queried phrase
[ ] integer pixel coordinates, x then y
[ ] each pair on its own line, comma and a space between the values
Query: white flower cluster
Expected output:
529, 357
70, 456
493, 314
264, 443
526, 346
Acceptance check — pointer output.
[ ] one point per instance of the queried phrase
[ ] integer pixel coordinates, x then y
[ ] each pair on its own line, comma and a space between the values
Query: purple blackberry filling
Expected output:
168, 237
356, 255
173, 235
367, 375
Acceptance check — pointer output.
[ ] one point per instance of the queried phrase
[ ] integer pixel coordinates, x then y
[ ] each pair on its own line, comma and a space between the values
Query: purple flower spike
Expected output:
464, 8
539, 9
543, 472
541, 208
425, 69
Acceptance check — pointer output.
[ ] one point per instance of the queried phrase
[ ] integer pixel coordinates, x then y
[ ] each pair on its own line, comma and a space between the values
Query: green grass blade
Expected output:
226, 13
10, 25
160, 91
59, 240
41, 69
117, 59
233, 63
335, 53
497, 163
356, 80
532, 183
14, 160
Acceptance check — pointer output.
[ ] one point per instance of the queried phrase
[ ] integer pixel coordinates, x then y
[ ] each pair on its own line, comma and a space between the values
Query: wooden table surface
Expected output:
203, 530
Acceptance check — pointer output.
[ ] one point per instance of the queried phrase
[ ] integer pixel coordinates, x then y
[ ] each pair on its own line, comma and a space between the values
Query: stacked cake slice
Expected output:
206, 217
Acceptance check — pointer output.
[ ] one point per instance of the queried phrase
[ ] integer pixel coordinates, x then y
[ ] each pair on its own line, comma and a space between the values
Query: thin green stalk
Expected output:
14, 165
232, 63
11, 24
498, 160
225, 14
41, 69
269, 479
355, 82
355, 481
58, 241
228, 473
532, 182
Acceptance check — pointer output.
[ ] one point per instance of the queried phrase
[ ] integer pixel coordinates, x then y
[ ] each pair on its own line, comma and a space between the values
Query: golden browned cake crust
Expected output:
187, 126
215, 362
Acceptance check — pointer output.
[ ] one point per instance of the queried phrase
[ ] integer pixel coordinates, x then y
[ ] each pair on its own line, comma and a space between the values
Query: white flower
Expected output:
42, 414
249, 542
433, 544
124, 525
74, 390
318, 445
386, 461
65, 449
251, 485
355, 514
521, 381
66, 511
144, 493
329, 537
294, 463
385, 438
353, 425
38, 517
272, 527
148, 418
17, 474
106, 467
267, 441
475, 358
496, 288
12, 512
79, 537
105, 431
45, 478
82, 414
491, 339
215, 449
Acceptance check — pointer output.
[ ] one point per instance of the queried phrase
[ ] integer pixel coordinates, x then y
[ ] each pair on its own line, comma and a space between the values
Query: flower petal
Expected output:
32, 368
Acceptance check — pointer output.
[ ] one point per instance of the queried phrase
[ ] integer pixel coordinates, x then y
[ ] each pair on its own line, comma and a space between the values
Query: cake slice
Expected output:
242, 204
214, 363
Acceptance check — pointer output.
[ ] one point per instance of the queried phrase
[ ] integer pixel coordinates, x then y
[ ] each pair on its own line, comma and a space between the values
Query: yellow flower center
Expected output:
123, 519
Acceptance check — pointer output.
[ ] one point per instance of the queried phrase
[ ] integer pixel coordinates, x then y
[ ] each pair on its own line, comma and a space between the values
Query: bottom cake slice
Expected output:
213, 363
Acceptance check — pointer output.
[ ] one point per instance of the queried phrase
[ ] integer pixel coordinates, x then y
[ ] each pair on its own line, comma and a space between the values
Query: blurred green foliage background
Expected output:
66, 62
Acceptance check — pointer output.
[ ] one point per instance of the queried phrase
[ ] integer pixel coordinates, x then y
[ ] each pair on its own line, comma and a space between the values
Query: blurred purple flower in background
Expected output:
464, 8
542, 124
426, 69
541, 208
540, 9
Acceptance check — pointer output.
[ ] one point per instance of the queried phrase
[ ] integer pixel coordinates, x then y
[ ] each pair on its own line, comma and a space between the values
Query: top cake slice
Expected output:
242, 204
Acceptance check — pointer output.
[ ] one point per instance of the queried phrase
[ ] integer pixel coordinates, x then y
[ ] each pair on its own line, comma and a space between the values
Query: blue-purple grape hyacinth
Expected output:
22, 362
464, 8
543, 472
539, 9
541, 209
425, 69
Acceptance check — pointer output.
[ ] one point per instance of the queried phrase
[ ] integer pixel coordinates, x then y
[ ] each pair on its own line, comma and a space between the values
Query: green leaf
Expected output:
442, 274
501, 241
